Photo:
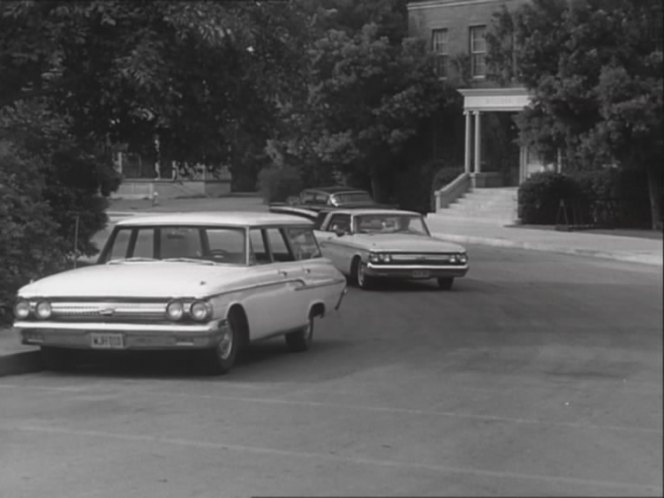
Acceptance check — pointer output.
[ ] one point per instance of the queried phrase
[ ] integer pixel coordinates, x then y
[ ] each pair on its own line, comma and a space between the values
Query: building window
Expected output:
477, 51
440, 49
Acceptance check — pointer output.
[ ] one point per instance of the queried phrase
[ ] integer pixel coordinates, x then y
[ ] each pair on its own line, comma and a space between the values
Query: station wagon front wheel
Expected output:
222, 358
301, 340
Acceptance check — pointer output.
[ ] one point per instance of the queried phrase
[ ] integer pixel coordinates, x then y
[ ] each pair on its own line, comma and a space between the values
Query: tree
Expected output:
367, 96
595, 70
77, 77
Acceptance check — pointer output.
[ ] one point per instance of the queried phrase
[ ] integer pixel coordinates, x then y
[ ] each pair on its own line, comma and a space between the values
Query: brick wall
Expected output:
457, 16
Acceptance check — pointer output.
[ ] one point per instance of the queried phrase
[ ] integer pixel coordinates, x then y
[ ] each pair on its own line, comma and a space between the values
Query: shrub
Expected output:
277, 183
540, 196
618, 197
31, 246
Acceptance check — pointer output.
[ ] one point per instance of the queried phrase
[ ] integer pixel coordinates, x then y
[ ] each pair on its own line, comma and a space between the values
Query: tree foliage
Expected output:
369, 91
595, 70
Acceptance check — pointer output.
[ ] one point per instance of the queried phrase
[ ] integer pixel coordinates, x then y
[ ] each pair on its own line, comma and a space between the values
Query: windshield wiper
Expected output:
190, 260
130, 260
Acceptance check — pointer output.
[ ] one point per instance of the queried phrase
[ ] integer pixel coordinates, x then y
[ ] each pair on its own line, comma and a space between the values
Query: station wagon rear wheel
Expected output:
222, 358
445, 283
301, 340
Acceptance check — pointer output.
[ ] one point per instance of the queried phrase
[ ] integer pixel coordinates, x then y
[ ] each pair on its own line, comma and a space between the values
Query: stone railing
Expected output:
452, 191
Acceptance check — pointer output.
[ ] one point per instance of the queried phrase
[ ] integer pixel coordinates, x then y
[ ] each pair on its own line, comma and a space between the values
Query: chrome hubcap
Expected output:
360, 274
225, 345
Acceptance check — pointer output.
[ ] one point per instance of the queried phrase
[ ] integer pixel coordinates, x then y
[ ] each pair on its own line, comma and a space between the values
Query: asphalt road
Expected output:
538, 375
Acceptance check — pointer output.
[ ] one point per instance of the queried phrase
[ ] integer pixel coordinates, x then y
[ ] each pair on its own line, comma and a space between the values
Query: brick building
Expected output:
455, 31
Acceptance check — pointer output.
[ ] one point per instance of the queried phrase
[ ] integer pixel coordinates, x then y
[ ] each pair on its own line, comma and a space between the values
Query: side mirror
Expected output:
340, 232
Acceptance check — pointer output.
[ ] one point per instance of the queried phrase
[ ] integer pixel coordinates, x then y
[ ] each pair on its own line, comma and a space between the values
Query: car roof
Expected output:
336, 190
225, 218
361, 211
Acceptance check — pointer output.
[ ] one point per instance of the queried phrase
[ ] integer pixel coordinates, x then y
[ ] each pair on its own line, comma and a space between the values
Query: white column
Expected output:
478, 153
469, 130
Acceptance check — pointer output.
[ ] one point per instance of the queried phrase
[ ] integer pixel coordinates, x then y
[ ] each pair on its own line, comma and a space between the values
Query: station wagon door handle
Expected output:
307, 270
283, 273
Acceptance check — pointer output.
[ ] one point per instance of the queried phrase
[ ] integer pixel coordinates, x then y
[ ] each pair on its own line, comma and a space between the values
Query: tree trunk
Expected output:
655, 193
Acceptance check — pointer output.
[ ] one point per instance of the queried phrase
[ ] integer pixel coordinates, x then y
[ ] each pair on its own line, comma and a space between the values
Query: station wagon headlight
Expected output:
462, 258
22, 309
200, 310
175, 310
43, 310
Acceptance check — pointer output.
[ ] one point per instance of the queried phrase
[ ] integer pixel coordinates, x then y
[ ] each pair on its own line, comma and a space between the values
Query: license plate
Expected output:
106, 340
421, 274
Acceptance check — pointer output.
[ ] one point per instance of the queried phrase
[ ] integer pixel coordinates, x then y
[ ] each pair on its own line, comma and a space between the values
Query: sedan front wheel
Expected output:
363, 280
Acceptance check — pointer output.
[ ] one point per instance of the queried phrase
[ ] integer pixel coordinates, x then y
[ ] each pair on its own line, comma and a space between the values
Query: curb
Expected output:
20, 363
646, 259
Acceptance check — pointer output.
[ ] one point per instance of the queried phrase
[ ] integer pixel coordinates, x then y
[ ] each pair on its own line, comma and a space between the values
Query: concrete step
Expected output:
494, 205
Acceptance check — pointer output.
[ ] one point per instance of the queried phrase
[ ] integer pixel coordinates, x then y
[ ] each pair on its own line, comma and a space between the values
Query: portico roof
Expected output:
495, 99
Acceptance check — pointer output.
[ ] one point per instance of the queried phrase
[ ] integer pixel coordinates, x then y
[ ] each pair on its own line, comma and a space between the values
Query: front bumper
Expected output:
122, 336
415, 271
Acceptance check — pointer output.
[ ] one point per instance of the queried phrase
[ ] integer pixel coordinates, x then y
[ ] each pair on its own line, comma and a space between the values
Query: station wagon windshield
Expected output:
390, 223
178, 243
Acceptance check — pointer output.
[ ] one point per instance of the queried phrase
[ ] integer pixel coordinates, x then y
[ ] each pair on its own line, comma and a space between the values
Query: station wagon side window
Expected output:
278, 245
257, 247
225, 245
339, 222
120, 244
144, 243
303, 242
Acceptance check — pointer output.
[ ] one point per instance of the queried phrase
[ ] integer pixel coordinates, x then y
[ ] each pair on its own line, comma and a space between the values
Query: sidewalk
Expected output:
635, 246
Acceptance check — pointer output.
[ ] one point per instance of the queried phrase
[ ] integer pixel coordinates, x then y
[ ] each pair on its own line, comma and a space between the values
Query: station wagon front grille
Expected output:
108, 311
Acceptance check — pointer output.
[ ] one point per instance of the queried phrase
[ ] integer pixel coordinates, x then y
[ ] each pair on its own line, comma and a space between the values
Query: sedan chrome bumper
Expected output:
415, 271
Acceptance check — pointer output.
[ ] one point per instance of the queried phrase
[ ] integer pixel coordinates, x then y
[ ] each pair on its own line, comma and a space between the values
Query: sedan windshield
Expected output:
390, 223
187, 244
350, 198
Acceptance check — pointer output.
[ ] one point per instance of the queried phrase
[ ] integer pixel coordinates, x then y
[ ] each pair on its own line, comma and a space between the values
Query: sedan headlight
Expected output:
462, 258
22, 309
175, 310
200, 311
379, 257
43, 310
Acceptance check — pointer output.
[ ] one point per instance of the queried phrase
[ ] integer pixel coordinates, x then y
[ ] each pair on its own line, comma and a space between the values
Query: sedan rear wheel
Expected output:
301, 340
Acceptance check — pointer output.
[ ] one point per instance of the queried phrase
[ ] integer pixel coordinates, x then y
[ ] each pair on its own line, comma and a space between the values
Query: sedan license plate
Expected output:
421, 274
106, 340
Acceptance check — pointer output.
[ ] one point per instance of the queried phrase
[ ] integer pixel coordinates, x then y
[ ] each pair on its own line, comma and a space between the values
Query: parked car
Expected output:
210, 282
368, 244
317, 199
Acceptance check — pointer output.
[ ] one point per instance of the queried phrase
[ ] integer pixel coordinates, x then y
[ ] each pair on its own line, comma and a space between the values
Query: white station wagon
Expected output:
368, 244
186, 281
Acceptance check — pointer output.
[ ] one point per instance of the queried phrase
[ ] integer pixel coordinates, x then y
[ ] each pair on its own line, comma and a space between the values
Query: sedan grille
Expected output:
422, 259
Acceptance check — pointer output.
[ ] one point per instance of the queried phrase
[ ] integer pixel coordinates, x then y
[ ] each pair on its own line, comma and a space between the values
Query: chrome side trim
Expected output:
326, 283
